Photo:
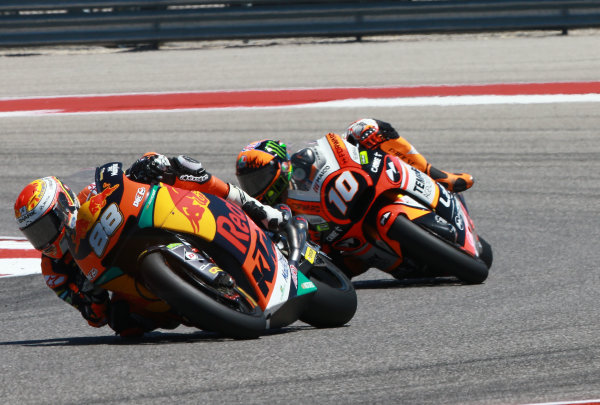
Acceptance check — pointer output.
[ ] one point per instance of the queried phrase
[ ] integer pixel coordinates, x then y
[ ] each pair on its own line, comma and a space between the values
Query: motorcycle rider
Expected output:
265, 170
46, 212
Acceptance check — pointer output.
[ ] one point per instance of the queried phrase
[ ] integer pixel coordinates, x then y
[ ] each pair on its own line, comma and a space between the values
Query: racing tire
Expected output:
486, 252
436, 253
335, 301
196, 306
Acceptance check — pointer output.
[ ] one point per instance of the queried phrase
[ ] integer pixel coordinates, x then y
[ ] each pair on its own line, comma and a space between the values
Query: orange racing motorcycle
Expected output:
194, 258
375, 207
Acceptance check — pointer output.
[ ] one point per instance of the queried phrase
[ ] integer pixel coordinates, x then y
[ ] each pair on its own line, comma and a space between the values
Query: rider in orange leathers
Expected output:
266, 171
46, 212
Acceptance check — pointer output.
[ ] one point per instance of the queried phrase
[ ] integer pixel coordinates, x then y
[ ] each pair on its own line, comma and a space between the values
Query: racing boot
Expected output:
455, 182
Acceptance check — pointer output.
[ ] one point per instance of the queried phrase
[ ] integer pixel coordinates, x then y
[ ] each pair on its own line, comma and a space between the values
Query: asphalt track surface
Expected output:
529, 334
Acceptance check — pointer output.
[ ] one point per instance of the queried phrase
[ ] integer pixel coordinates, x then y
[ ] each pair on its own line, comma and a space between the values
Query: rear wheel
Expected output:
225, 310
438, 254
335, 301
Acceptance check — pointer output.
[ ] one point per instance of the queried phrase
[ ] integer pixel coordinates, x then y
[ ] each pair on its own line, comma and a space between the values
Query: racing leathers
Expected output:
64, 277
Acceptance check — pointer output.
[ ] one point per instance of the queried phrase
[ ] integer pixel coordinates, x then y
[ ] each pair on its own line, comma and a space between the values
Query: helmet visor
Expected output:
44, 231
256, 182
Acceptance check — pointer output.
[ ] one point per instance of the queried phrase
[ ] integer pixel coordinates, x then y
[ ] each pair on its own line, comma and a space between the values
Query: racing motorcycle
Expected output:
194, 258
373, 206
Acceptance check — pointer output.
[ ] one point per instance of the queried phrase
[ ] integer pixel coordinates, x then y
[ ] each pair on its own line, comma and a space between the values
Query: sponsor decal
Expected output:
392, 172
113, 169
189, 255
198, 179
338, 148
422, 186
444, 197
139, 196
285, 272
364, 157
277, 149
322, 227
92, 274
332, 235
310, 254
54, 281
376, 163
308, 284
319, 178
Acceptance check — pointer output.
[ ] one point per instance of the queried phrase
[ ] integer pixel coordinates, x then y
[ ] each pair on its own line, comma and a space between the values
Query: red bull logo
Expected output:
98, 201
191, 204
38, 190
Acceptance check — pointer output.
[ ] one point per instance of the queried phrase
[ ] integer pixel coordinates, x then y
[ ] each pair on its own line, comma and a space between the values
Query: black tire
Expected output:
437, 253
335, 301
486, 252
196, 306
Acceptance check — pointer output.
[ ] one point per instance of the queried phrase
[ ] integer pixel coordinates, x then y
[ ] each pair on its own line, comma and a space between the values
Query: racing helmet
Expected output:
263, 170
45, 210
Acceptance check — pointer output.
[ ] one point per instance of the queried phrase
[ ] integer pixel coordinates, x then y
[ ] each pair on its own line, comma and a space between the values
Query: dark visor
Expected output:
43, 231
256, 181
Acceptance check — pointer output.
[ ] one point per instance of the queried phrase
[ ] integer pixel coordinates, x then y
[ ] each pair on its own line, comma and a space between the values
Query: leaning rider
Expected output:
46, 212
264, 169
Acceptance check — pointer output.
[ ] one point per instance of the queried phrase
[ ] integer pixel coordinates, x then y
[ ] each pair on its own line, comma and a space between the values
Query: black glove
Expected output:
188, 169
151, 168
386, 130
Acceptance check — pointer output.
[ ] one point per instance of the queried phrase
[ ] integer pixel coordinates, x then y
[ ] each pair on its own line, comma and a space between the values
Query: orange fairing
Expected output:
184, 211
100, 222
386, 217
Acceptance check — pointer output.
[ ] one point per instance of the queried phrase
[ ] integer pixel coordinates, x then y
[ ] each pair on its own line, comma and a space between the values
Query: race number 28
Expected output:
110, 220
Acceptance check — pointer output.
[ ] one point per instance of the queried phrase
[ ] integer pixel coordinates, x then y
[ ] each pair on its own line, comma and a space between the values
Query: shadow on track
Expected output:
406, 283
150, 338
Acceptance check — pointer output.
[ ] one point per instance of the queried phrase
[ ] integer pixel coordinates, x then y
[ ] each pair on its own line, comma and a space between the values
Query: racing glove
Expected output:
188, 169
370, 133
92, 303
151, 168
269, 218
154, 167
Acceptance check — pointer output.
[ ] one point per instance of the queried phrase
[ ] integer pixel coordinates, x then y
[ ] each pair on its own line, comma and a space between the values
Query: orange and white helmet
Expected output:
45, 210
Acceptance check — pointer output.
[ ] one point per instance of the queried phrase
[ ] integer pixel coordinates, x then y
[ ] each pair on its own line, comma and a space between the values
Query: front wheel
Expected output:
229, 312
436, 253
335, 301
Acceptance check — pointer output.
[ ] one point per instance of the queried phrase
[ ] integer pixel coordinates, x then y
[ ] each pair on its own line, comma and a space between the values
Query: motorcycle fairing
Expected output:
222, 223
100, 223
226, 225
102, 218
